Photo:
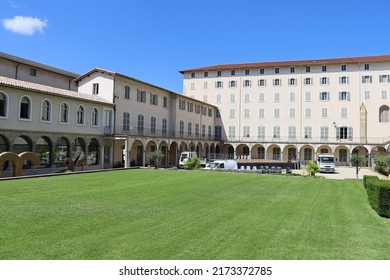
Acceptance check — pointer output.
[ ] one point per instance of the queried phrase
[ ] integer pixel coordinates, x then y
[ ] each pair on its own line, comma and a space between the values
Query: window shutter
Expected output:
337, 133
350, 134
348, 96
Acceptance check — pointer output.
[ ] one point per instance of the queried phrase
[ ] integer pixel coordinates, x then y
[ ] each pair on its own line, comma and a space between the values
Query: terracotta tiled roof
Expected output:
327, 61
52, 90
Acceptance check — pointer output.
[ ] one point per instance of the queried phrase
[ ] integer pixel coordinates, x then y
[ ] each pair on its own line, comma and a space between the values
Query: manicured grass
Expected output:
163, 214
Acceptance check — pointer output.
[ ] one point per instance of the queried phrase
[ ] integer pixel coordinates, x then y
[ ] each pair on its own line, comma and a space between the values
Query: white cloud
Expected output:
24, 25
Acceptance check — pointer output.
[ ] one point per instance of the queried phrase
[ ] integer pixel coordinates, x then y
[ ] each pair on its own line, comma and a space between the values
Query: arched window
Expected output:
384, 113
64, 117
80, 115
25, 108
3, 105
95, 117
46, 111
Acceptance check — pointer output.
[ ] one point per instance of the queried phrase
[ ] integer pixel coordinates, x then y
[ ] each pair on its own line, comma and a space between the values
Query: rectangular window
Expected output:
307, 69
384, 78
276, 113
261, 97
196, 129
246, 71
324, 81
205, 85
366, 66
308, 132
219, 84
206, 74
308, 96
232, 84
343, 80
182, 105
247, 131
95, 89
261, 113
277, 82
324, 133
232, 114
292, 82
153, 121
261, 83
292, 96
276, 97
197, 109
246, 98
344, 113
246, 114
127, 92
141, 96
247, 83
292, 113
344, 96
384, 94
232, 132
126, 121
324, 96
367, 79
308, 113
324, 112
193, 75
292, 132
262, 71
261, 132
308, 81
343, 67
33, 72
367, 95
153, 99
277, 70
344, 133
219, 98
219, 73
276, 131
323, 68
292, 69
190, 107
233, 72
232, 98
189, 129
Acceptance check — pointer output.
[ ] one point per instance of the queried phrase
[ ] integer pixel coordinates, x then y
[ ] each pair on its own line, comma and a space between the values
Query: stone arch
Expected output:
61, 151
258, 151
151, 146
228, 151
16, 161
274, 152
290, 152
4, 144
342, 155
137, 153
173, 154
361, 150
93, 152
242, 151
78, 147
324, 149
183, 147
43, 149
22, 144
163, 147
199, 150
306, 153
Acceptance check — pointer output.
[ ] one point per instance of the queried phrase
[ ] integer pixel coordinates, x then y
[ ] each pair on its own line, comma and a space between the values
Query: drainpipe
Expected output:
16, 71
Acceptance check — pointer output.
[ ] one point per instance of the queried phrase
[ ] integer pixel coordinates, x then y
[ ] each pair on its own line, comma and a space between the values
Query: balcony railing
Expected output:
149, 132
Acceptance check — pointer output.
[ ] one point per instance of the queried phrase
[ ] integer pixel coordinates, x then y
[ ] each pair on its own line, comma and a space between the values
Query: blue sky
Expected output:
152, 40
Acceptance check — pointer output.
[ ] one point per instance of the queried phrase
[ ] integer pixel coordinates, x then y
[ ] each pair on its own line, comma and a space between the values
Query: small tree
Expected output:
358, 161
192, 163
155, 158
312, 168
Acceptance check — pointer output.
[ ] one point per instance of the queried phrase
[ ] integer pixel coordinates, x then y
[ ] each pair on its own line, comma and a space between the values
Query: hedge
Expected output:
378, 192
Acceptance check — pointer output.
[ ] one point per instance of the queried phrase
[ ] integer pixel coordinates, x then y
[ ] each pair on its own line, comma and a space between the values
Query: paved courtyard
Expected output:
346, 172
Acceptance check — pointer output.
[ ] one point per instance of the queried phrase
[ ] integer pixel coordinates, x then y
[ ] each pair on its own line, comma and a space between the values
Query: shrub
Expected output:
192, 163
312, 168
155, 157
378, 192
382, 164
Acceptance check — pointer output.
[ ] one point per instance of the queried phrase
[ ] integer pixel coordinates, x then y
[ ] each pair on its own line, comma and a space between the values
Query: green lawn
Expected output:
157, 214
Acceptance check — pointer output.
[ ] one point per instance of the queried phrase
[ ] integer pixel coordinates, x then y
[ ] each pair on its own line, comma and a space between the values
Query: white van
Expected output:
326, 163
184, 156
222, 165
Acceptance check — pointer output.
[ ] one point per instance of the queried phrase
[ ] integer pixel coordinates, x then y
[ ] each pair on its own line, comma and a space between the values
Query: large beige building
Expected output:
148, 118
41, 112
298, 109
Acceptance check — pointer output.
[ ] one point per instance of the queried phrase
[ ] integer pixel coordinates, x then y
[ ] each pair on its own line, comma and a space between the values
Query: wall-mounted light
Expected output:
334, 124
